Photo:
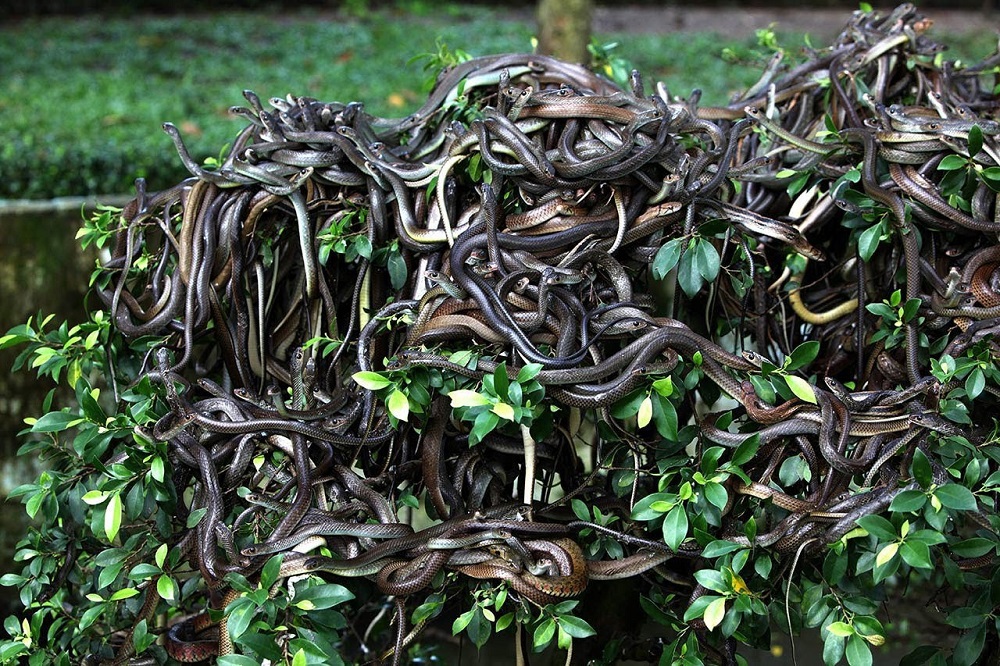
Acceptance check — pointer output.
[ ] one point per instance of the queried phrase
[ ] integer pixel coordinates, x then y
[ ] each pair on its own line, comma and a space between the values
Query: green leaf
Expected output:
576, 627
397, 270
840, 629
714, 613
921, 468
327, 595
991, 176
142, 571
716, 494
372, 381
462, 621
966, 618
504, 621
664, 387
467, 398
929, 537
969, 646
94, 497
975, 383
858, 653
113, 516
528, 372
801, 388
746, 451
688, 275
666, 258
160, 556
878, 527
10, 579
953, 162
157, 469
698, 606
834, 567
643, 508
398, 405
482, 426
974, 547
886, 554
543, 634
882, 310
515, 396
870, 628
501, 382
91, 614
124, 593
166, 587
833, 649
707, 260
762, 565
11, 649
975, 140
195, 517
916, 554
665, 417
719, 548
503, 410
675, 527
956, 497
56, 422
241, 613
868, 241
908, 500
363, 246
763, 388
802, 355
645, 412
237, 660
269, 574
91, 408
711, 579
910, 309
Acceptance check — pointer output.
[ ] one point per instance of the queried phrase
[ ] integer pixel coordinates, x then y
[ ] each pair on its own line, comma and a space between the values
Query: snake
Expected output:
507, 238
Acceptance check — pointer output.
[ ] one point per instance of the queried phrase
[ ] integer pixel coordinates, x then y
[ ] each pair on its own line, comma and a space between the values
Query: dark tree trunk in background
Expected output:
564, 28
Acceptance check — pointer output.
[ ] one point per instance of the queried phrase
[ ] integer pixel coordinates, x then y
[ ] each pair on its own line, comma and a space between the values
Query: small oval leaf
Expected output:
372, 381
645, 412
802, 389
399, 405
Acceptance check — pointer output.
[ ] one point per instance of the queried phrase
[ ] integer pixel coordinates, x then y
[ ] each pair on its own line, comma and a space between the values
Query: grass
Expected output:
82, 99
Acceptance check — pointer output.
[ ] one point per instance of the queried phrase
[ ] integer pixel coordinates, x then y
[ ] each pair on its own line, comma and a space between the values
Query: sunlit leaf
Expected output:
467, 398
802, 389
398, 405
372, 381
645, 414
714, 613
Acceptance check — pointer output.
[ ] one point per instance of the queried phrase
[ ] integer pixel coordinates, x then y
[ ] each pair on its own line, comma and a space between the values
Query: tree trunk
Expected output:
564, 28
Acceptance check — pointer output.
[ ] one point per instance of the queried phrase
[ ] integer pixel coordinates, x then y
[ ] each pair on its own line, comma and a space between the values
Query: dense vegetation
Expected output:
360, 377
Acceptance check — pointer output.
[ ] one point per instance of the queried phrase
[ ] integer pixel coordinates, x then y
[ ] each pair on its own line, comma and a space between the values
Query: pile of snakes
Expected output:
315, 300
